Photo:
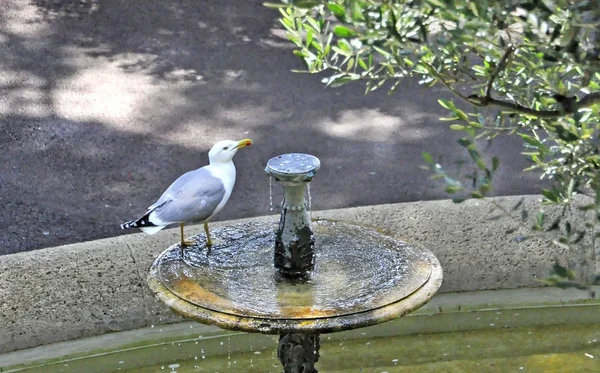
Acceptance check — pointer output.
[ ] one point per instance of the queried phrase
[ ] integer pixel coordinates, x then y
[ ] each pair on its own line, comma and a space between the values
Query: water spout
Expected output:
294, 241
271, 208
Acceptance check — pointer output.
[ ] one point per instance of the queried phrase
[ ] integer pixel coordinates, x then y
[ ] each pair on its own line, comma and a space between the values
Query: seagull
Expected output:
195, 196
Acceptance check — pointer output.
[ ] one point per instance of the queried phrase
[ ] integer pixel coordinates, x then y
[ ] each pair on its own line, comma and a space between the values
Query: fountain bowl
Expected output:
362, 277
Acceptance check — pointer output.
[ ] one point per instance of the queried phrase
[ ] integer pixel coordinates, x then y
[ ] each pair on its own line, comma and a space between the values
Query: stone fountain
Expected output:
299, 279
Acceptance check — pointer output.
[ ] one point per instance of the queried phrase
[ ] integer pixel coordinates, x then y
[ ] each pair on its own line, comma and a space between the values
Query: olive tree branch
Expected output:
437, 75
501, 66
568, 105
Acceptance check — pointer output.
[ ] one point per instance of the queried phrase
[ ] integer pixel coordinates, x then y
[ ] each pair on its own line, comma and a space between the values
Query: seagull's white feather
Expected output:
152, 230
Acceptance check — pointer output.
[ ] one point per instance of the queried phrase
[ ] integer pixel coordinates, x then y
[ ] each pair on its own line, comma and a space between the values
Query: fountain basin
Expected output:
362, 277
502, 336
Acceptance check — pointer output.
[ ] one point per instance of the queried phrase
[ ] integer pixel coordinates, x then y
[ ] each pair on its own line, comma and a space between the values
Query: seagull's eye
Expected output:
225, 148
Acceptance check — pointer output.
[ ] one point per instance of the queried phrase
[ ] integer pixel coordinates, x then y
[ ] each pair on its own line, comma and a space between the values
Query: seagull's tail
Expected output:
144, 224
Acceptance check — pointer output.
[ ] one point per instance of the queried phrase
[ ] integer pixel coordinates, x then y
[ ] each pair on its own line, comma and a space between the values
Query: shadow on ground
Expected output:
105, 103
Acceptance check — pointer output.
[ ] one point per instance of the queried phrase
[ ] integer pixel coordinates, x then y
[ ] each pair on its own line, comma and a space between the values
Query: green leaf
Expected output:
550, 195
343, 31
362, 63
309, 37
476, 195
461, 114
446, 104
438, 3
306, 4
341, 51
531, 140
345, 45
337, 9
480, 163
274, 5
298, 53
540, 217
350, 64
383, 52
317, 46
314, 24
357, 12
473, 7
341, 81
287, 23
448, 119
495, 163
559, 270
457, 127
427, 158
464, 142
452, 189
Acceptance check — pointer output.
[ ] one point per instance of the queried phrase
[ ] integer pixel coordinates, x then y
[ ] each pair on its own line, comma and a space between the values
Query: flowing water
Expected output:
271, 208
356, 270
309, 201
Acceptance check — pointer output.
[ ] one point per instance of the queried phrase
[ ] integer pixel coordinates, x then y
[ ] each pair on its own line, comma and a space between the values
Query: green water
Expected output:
563, 348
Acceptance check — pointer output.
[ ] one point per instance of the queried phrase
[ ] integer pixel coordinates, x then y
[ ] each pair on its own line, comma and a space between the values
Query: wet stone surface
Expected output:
356, 270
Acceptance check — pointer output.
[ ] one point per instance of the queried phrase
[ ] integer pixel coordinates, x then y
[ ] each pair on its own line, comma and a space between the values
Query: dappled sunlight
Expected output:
369, 125
22, 38
25, 94
103, 92
252, 116
23, 20
233, 123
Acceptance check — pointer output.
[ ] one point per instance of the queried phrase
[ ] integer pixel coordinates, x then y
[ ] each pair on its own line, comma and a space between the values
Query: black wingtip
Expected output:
144, 221
129, 224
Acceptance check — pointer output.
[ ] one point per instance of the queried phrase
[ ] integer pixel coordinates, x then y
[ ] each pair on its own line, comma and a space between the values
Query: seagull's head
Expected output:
223, 151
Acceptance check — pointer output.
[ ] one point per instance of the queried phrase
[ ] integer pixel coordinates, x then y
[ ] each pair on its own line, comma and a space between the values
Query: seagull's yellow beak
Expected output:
243, 143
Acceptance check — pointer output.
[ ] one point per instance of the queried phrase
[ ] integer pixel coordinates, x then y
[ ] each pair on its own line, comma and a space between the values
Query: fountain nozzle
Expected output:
294, 241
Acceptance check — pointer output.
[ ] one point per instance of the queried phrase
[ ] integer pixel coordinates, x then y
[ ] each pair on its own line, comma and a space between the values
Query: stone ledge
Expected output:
92, 288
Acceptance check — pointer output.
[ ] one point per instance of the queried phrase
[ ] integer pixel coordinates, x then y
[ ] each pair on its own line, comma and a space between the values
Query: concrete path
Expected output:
104, 103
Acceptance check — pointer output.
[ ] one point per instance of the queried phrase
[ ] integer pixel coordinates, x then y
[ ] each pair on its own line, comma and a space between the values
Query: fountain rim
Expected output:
229, 321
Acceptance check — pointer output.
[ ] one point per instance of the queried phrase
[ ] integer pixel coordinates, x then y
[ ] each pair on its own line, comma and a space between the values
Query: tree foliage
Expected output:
524, 68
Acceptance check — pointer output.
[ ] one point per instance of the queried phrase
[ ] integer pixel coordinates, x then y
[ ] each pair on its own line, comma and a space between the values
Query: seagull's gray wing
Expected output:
194, 196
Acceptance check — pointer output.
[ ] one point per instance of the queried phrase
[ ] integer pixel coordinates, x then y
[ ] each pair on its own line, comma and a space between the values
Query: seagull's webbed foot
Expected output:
187, 243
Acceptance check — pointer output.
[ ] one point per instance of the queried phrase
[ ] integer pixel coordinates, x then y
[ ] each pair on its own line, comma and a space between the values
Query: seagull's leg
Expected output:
184, 243
182, 240
208, 240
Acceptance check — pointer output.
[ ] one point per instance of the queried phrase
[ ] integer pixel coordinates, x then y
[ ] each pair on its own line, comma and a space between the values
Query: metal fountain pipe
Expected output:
294, 241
